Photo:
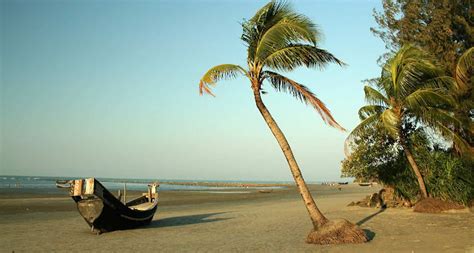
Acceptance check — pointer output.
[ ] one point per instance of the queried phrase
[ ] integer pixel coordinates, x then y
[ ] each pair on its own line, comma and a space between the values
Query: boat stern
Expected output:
90, 209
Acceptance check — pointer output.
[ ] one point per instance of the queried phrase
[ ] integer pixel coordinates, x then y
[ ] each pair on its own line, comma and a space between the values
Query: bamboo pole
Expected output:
125, 193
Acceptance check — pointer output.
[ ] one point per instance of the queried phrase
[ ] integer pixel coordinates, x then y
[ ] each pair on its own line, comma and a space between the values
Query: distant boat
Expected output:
343, 183
365, 184
104, 212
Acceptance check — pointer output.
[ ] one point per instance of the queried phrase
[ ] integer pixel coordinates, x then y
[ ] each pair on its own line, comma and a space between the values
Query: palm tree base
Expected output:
337, 232
431, 205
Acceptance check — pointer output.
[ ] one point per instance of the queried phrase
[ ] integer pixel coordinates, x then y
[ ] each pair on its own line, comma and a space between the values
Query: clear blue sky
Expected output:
110, 88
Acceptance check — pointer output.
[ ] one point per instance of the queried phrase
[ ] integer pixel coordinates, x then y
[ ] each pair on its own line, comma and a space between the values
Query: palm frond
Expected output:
390, 122
369, 110
432, 116
461, 144
292, 29
414, 75
264, 19
295, 55
282, 83
441, 82
384, 84
363, 125
447, 125
219, 72
428, 97
409, 69
375, 97
465, 70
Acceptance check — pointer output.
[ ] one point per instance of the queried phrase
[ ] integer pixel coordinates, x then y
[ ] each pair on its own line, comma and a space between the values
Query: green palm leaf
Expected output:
375, 97
465, 70
391, 122
461, 144
263, 20
408, 70
219, 72
428, 97
293, 56
445, 122
433, 116
366, 123
369, 110
291, 29
442, 82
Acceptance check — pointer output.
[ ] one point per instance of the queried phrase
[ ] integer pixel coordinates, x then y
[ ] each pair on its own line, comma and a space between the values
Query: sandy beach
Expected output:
243, 221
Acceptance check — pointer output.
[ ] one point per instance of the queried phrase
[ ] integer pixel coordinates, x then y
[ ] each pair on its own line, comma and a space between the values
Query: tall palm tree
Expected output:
410, 91
278, 39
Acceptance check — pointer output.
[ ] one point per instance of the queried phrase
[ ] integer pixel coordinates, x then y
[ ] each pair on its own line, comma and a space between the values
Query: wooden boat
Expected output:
104, 212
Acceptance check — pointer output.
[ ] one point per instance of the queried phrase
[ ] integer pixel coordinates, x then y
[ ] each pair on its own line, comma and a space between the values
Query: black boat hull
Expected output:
104, 212
105, 218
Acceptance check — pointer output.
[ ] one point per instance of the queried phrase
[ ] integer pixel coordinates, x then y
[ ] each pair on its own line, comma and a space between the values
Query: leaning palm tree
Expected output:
410, 92
278, 39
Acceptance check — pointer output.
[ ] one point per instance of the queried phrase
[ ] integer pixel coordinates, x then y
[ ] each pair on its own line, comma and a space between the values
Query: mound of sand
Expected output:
431, 205
337, 232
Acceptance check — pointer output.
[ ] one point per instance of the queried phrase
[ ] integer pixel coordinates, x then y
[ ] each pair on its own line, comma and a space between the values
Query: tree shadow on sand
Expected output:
364, 220
370, 235
186, 220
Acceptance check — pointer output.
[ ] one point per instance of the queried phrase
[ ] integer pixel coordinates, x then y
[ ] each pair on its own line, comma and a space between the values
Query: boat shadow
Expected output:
186, 220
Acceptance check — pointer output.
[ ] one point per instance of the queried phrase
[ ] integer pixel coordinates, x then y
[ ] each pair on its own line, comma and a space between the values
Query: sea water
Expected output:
37, 182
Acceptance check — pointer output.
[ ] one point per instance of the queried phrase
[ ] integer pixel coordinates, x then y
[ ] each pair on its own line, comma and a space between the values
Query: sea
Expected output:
49, 183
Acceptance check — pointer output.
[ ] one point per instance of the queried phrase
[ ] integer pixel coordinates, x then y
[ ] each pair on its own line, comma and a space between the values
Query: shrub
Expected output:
375, 158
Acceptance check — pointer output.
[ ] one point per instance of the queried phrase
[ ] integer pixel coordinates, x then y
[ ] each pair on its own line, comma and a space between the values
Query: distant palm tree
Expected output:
410, 91
278, 39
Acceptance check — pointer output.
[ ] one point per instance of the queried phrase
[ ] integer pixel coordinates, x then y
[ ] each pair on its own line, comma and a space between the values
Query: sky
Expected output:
110, 89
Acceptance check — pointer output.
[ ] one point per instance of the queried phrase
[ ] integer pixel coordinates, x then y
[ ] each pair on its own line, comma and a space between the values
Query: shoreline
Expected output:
26, 200
226, 184
17, 182
251, 222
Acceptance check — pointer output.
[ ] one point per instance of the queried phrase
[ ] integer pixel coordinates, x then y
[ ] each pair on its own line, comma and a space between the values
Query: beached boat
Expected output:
365, 184
104, 212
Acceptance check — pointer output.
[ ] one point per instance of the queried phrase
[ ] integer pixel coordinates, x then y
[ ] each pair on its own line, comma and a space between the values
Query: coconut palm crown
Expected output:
278, 39
411, 90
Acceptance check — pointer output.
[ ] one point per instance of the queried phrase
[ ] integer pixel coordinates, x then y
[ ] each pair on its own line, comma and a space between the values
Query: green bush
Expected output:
447, 176
375, 158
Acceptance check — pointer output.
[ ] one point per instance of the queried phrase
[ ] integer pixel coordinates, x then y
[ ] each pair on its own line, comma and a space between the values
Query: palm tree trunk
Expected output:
414, 166
316, 216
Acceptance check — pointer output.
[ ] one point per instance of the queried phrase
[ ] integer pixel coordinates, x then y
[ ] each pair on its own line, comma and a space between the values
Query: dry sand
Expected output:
237, 222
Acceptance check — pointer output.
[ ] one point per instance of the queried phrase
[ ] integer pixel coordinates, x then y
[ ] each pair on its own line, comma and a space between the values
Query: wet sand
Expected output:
232, 222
